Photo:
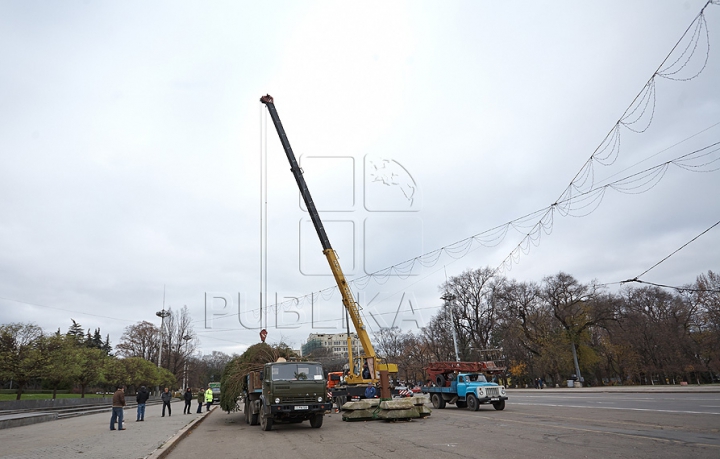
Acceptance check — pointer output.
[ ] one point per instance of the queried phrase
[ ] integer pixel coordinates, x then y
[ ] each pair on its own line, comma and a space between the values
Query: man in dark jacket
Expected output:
166, 397
142, 397
118, 402
188, 401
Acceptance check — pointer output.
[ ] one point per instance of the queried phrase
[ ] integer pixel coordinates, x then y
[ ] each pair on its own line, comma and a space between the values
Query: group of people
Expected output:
118, 403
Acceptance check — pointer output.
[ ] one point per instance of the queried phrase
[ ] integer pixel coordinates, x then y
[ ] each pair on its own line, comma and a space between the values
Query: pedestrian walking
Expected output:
188, 401
118, 402
208, 397
166, 397
142, 397
200, 399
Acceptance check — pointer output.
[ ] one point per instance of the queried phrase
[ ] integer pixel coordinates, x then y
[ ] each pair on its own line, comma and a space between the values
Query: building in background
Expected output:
332, 344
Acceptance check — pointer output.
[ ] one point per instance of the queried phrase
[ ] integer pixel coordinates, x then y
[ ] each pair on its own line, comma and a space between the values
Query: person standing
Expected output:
142, 397
118, 402
370, 391
166, 397
208, 397
200, 399
188, 401
366, 371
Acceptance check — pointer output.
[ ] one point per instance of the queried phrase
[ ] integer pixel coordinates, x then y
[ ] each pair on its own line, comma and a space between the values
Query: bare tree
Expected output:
177, 349
474, 307
706, 295
140, 340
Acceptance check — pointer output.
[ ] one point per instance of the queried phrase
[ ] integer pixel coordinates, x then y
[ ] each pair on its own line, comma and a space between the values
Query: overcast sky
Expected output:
131, 138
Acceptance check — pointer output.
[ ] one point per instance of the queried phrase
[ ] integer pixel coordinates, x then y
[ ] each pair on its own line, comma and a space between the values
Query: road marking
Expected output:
595, 431
618, 408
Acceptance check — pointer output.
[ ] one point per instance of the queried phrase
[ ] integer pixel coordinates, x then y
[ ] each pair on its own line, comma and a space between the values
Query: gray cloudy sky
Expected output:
131, 142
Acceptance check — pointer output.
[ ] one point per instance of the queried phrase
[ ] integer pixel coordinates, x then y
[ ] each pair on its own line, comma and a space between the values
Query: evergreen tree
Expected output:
76, 331
106, 345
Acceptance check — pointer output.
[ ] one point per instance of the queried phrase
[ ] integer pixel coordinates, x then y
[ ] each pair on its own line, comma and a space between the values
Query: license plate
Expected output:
301, 407
495, 399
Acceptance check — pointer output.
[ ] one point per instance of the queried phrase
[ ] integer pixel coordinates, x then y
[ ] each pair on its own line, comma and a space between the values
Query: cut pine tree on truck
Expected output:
355, 382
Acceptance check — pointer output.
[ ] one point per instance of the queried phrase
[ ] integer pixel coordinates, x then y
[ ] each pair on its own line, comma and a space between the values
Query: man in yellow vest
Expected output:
208, 397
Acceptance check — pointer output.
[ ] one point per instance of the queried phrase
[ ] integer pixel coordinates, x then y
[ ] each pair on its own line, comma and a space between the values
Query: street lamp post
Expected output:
162, 314
448, 298
187, 338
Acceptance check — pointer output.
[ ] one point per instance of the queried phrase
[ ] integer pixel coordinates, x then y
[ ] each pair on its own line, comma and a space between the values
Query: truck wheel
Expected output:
437, 401
440, 380
246, 411
266, 423
254, 419
316, 421
472, 403
461, 404
499, 405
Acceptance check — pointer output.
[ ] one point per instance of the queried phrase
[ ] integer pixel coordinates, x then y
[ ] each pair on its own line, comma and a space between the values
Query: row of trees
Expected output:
78, 360
179, 346
56, 361
639, 335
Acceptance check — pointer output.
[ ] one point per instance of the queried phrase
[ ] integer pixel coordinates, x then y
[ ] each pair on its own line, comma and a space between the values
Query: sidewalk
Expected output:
90, 436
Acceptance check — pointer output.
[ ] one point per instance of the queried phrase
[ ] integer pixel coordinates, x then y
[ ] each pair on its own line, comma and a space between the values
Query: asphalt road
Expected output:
534, 424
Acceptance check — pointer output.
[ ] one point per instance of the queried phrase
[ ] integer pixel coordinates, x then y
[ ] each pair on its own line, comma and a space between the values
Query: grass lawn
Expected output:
11, 397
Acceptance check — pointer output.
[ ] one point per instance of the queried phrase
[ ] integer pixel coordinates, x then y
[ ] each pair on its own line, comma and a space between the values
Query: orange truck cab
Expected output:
334, 378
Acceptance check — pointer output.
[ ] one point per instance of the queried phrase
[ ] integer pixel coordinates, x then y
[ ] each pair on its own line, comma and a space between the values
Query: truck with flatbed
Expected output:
286, 392
464, 384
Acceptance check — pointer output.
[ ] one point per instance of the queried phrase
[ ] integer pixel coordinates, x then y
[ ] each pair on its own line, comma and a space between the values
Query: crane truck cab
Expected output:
334, 378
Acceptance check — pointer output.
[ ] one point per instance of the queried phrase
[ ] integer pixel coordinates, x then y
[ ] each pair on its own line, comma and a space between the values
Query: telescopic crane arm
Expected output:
347, 297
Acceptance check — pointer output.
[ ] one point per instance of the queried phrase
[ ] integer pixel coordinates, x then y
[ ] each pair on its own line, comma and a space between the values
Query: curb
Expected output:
169, 445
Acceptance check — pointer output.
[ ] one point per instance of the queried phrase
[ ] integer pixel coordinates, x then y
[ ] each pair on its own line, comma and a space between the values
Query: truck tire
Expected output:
266, 423
316, 421
472, 403
438, 401
440, 380
254, 419
499, 405
246, 411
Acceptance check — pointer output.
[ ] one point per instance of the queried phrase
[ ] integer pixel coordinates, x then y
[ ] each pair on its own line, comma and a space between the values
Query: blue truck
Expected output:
466, 390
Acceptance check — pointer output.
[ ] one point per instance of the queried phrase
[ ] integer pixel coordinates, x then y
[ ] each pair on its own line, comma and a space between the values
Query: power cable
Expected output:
636, 278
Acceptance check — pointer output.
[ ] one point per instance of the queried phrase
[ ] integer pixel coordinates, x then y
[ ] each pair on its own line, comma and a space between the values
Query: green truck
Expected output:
286, 393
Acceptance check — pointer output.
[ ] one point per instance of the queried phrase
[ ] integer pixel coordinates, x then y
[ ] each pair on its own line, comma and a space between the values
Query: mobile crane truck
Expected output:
354, 383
